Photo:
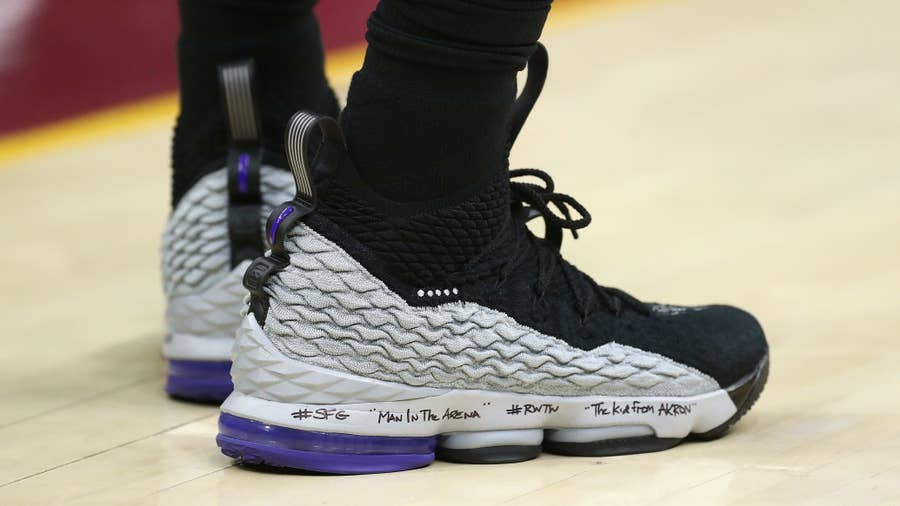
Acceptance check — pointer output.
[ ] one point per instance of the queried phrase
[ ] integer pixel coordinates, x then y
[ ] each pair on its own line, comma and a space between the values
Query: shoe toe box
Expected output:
725, 342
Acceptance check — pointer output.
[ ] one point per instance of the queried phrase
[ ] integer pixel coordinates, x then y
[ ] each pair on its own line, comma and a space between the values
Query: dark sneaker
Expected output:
381, 334
213, 234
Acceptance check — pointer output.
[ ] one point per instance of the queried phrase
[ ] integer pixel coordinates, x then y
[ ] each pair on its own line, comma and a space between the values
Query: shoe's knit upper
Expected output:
425, 247
477, 246
195, 250
328, 310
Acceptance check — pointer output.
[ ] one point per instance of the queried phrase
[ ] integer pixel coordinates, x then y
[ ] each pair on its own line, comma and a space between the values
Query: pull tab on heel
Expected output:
244, 161
534, 84
309, 144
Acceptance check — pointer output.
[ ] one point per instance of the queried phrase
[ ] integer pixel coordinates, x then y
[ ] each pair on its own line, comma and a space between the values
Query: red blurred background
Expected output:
61, 58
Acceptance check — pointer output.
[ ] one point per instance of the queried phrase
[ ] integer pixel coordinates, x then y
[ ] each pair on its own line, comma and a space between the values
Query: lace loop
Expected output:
532, 200
539, 199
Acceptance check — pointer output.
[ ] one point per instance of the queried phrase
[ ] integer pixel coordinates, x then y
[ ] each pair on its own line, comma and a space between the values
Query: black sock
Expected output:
427, 114
282, 39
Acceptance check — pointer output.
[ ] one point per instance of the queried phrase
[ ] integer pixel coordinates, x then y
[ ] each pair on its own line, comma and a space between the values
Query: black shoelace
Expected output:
531, 200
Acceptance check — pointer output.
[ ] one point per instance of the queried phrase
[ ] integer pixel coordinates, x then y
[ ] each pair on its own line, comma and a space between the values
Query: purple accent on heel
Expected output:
254, 442
243, 173
199, 381
274, 229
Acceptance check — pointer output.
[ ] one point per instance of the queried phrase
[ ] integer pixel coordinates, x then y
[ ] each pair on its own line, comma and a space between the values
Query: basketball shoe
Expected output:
380, 335
213, 234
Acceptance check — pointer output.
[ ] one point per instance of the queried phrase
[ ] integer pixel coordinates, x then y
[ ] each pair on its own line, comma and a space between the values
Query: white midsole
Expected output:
190, 347
479, 410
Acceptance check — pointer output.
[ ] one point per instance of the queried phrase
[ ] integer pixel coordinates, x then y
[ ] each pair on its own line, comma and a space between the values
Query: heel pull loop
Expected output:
243, 162
241, 111
534, 84
303, 130
305, 158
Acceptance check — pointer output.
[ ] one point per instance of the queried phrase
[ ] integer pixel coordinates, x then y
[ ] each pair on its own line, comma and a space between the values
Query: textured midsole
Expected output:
474, 410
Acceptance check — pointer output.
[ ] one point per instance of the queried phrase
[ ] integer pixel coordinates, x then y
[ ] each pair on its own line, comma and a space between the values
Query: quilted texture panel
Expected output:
214, 312
327, 310
195, 249
260, 370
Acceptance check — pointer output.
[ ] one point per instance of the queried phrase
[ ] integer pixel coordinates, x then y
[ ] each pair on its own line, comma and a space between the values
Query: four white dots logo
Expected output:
437, 293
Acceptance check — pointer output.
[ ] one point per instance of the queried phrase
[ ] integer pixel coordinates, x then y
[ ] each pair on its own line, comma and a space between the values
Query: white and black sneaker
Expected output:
381, 335
213, 234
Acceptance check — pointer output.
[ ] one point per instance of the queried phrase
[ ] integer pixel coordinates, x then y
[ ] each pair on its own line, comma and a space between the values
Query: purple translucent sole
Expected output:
199, 381
258, 443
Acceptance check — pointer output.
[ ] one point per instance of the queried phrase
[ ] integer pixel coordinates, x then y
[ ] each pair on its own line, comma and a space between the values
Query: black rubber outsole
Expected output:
612, 447
489, 455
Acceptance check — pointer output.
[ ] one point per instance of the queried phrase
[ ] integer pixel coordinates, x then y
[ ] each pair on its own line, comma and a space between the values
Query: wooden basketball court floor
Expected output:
745, 152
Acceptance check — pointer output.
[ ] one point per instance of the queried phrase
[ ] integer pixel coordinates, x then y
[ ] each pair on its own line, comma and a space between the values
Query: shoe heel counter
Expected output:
259, 369
195, 239
196, 250
213, 312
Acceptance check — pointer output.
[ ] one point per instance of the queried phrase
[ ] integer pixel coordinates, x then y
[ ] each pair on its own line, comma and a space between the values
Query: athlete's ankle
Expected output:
427, 114
282, 40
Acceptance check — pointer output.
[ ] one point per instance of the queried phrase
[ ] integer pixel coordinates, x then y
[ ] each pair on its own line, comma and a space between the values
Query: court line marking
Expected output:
189, 480
155, 111
79, 401
106, 450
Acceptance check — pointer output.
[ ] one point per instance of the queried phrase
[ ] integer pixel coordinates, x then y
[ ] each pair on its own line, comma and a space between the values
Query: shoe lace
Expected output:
531, 200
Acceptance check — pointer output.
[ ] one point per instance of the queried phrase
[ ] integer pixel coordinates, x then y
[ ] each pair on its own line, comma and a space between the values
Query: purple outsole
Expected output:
199, 380
258, 443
